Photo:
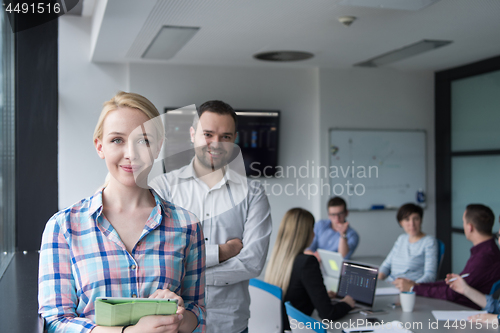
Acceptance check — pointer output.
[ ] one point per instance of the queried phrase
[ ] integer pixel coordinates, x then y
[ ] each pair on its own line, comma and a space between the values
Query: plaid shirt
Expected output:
82, 258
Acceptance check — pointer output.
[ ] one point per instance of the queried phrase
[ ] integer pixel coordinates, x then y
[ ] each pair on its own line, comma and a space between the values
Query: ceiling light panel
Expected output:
168, 41
403, 53
390, 4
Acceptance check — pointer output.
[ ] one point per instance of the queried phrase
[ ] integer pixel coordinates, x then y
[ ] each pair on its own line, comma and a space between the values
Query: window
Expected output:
7, 144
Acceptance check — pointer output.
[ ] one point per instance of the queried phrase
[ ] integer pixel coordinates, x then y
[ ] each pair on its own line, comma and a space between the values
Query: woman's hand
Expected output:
484, 317
348, 299
158, 324
165, 293
459, 285
161, 323
332, 294
403, 284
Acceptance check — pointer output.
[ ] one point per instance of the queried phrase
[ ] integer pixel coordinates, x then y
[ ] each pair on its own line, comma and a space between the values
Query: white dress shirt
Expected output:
236, 207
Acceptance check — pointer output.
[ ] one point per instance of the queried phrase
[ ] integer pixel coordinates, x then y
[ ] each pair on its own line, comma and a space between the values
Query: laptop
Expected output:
331, 265
360, 282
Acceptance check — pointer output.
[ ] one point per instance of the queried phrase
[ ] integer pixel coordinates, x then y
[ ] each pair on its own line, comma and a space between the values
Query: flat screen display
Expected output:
358, 281
258, 133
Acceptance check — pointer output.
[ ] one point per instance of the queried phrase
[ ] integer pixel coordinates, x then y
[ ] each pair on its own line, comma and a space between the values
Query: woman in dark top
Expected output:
298, 274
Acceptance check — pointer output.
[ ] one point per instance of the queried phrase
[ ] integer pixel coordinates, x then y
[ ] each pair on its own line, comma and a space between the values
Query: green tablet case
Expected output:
128, 311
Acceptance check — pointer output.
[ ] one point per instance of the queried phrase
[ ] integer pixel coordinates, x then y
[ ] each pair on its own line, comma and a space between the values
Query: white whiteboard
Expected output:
377, 169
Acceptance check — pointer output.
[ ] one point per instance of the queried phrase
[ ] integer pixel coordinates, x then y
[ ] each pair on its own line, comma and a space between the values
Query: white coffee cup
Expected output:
407, 299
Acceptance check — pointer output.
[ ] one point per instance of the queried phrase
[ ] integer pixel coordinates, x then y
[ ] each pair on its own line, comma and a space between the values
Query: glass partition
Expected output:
461, 252
475, 118
7, 144
475, 153
475, 179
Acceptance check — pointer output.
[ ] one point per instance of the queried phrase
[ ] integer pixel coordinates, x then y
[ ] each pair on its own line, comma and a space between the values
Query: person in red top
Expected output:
483, 265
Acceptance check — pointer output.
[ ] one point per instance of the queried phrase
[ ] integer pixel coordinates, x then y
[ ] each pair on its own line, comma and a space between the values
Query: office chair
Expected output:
495, 290
265, 307
441, 249
297, 318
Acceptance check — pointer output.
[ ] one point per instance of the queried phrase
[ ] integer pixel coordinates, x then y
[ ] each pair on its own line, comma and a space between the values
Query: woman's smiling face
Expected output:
129, 145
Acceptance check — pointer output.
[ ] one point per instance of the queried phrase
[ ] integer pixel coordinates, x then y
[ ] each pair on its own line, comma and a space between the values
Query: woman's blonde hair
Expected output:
295, 233
128, 100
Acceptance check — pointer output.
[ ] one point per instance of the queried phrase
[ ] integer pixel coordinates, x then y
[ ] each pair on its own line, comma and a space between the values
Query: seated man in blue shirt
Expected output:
334, 234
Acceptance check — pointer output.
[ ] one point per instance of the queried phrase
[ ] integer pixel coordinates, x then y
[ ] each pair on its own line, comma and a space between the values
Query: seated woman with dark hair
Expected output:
298, 274
414, 255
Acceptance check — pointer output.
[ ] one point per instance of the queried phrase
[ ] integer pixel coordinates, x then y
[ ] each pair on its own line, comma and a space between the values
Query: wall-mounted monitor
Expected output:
258, 133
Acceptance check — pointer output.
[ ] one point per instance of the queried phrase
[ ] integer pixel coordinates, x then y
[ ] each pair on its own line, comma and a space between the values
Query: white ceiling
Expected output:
231, 31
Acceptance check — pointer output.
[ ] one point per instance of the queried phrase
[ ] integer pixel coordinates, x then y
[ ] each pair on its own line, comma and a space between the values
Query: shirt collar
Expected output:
231, 175
188, 171
161, 203
96, 203
483, 246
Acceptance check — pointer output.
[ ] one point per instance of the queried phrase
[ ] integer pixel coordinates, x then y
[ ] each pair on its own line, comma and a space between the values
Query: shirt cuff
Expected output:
212, 253
200, 315
490, 304
384, 270
71, 324
417, 289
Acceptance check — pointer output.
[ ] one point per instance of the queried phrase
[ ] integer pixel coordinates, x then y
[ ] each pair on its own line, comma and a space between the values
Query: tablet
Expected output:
121, 311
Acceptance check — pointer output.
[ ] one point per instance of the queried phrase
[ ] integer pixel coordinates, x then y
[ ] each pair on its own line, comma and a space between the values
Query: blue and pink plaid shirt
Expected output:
82, 258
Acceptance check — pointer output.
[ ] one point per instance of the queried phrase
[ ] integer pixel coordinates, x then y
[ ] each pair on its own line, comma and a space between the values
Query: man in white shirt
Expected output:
234, 213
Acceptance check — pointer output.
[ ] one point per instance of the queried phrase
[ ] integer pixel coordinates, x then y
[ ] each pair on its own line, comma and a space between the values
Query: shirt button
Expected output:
138, 243
208, 214
133, 267
206, 239
134, 296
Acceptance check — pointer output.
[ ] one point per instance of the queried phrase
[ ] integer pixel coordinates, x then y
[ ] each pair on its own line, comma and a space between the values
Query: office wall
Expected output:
83, 88
311, 101
368, 98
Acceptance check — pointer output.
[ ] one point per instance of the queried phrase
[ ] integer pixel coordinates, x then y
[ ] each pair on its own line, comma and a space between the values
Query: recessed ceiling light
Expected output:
403, 53
283, 56
168, 41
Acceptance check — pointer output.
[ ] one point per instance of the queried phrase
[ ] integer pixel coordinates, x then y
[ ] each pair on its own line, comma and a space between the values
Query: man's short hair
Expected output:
481, 217
408, 209
218, 107
336, 201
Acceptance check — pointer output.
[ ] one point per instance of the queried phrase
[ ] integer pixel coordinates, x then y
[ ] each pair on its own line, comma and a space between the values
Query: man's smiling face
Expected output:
214, 139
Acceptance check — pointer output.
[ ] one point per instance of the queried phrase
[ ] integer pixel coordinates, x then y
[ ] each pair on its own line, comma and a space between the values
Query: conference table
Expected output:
420, 320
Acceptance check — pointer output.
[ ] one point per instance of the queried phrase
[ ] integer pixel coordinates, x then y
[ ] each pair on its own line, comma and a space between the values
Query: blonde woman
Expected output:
124, 241
299, 274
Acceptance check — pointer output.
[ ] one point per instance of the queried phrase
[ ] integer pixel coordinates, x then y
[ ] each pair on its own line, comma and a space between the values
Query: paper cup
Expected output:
407, 299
